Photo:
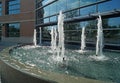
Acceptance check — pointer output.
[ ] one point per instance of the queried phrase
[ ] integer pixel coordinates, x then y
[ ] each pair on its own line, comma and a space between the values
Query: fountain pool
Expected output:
76, 64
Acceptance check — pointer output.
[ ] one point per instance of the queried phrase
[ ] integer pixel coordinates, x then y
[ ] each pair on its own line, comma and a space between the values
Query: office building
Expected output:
17, 20
78, 14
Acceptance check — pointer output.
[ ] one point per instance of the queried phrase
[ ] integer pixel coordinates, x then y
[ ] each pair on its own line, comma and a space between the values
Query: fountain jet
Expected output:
53, 39
99, 43
61, 48
34, 38
83, 45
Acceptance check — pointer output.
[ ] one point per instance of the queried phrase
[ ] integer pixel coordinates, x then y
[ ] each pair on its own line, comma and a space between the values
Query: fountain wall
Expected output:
12, 75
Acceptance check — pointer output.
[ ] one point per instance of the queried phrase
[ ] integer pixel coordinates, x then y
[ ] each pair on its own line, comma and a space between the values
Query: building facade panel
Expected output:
27, 6
25, 17
26, 29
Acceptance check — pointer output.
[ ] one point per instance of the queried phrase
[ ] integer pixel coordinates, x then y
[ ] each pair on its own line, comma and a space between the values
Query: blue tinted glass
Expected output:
61, 5
46, 20
16, 25
71, 4
53, 8
14, 7
46, 11
53, 18
14, 12
88, 10
114, 22
46, 2
72, 14
86, 2
107, 6
14, 2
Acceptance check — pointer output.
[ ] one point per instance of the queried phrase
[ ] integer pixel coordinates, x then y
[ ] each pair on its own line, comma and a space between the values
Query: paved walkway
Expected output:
4, 45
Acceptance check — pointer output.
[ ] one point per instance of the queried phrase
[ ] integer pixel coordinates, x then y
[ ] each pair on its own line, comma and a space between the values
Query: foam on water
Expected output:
83, 45
27, 47
99, 58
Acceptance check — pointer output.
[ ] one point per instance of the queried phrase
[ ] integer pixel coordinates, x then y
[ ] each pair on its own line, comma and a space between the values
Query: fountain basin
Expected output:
14, 71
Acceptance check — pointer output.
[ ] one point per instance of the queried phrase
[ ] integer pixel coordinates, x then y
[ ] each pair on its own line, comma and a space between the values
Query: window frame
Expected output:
11, 33
11, 7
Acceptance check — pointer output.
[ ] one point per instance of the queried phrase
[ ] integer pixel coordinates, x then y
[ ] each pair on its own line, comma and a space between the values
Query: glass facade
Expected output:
13, 7
47, 14
13, 29
0, 9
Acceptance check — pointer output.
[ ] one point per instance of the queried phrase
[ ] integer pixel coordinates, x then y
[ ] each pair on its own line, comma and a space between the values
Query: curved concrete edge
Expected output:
11, 74
14, 72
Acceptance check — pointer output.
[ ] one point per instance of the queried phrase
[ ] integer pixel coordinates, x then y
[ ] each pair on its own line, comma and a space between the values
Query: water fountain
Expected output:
40, 63
99, 43
83, 44
60, 48
34, 38
53, 40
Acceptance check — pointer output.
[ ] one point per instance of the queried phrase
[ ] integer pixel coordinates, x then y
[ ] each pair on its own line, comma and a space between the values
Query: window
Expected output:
87, 2
46, 11
0, 9
61, 5
53, 18
71, 4
112, 30
46, 33
13, 7
88, 10
71, 31
73, 13
13, 30
109, 6
44, 2
53, 8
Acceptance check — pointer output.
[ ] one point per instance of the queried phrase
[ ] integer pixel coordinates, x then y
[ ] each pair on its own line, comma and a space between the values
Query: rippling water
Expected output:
75, 63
